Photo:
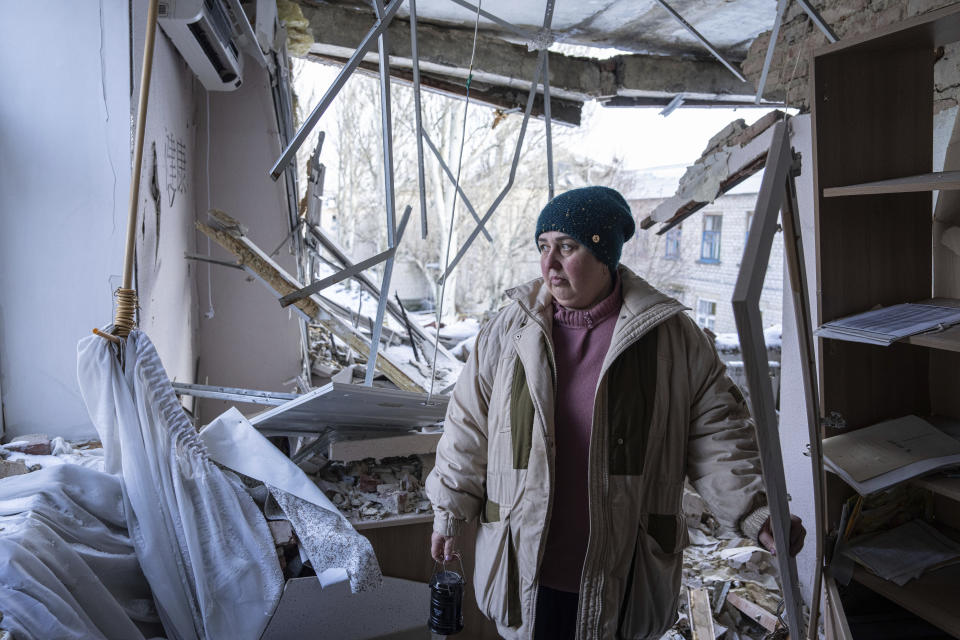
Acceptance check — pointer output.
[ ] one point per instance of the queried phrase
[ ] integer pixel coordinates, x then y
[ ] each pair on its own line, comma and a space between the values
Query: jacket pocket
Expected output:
652, 590
496, 578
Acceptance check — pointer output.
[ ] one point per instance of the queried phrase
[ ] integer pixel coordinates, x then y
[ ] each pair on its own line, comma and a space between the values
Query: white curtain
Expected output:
202, 542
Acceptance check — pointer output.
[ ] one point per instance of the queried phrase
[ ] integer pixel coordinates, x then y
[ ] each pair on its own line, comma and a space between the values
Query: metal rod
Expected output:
387, 133
224, 263
286, 238
453, 179
546, 122
364, 281
523, 33
329, 281
672, 105
796, 268
343, 274
781, 8
406, 322
818, 20
706, 43
746, 312
375, 31
513, 172
234, 394
145, 72
418, 123
537, 75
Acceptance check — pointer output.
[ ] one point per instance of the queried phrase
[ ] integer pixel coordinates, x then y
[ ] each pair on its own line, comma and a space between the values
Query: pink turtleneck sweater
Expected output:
580, 342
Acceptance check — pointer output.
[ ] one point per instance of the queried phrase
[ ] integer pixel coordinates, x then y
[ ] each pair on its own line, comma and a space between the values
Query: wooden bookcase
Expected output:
872, 114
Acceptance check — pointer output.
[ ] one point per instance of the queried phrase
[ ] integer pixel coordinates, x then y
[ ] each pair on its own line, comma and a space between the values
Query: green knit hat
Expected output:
596, 217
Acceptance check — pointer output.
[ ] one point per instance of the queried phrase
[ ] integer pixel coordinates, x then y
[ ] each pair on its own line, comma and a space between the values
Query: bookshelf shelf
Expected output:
932, 596
940, 485
940, 180
947, 340
871, 110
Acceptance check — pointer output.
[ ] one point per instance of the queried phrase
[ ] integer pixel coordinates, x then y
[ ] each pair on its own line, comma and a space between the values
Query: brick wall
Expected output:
790, 67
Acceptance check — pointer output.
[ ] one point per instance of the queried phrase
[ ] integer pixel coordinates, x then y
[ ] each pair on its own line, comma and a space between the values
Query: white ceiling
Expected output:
639, 26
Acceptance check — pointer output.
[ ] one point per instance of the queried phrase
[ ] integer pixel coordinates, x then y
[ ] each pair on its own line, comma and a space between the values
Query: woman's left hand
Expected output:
797, 534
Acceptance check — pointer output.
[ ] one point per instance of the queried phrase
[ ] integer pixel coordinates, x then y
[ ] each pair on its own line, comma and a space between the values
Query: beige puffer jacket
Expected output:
664, 409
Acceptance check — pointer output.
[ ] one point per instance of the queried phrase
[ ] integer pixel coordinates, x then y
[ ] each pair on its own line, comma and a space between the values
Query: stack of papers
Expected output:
905, 552
882, 455
887, 325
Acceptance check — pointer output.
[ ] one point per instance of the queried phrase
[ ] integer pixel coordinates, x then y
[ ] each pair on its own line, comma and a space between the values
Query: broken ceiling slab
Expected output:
445, 54
351, 405
644, 27
732, 155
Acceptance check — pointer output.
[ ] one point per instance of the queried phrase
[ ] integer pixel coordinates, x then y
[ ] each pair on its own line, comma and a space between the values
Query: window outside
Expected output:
710, 245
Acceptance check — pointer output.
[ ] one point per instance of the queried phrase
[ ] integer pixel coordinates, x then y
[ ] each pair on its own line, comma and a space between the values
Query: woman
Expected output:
583, 407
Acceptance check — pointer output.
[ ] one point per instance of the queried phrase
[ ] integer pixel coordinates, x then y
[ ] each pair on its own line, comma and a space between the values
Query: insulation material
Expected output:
67, 566
200, 538
299, 35
335, 549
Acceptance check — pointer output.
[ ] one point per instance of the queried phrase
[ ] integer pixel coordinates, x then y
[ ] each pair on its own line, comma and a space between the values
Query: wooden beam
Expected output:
753, 611
281, 283
701, 614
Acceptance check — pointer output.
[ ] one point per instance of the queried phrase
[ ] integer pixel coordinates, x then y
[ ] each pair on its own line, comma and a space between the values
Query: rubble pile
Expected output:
724, 563
371, 490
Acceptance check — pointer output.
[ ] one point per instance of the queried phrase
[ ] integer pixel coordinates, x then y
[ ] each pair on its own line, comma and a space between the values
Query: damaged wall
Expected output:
168, 199
246, 339
64, 176
789, 74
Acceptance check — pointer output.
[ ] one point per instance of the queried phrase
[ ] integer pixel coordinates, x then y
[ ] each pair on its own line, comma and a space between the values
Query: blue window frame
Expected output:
710, 244
672, 247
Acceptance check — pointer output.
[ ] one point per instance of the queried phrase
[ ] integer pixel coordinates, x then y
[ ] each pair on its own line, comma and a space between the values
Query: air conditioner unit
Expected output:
203, 31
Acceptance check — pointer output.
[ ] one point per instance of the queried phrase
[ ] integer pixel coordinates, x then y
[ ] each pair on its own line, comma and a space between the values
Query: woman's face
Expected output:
575, 277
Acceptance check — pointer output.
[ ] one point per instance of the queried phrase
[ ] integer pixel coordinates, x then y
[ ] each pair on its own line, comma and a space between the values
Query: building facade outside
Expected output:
698, 261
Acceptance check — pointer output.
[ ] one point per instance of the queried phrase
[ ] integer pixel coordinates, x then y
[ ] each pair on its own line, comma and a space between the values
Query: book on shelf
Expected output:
889, 324
882, 455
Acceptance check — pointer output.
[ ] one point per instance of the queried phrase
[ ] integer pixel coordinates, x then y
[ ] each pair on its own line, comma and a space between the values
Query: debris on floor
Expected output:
732, 570
371, 490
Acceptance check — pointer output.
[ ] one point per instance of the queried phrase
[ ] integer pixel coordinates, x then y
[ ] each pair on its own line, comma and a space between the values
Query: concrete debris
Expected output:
282, 532
732, 155
37, 444
10, 468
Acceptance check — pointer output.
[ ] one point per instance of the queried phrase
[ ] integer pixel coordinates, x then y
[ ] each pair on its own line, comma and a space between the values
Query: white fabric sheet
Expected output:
67, 567
202, 542
336, 551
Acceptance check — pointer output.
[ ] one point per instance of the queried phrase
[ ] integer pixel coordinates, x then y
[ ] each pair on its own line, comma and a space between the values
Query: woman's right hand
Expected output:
443, 548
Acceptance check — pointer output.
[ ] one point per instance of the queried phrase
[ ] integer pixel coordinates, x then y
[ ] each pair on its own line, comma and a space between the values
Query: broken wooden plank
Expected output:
701, 614
281, 283
753, 611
